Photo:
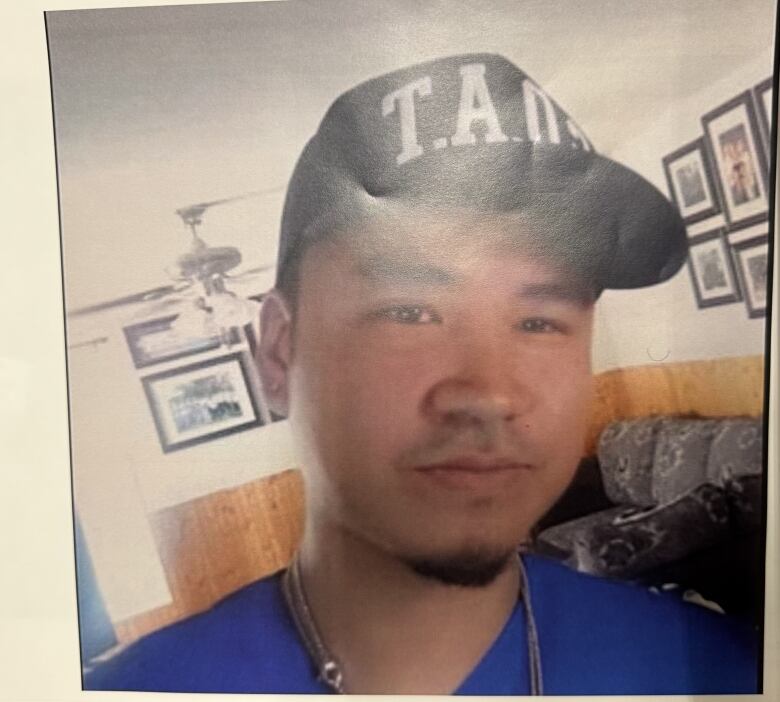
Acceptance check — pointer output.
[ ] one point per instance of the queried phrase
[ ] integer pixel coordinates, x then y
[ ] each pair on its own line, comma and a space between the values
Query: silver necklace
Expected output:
329, 668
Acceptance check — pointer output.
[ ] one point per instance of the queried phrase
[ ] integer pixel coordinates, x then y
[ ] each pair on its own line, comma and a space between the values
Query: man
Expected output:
446, 234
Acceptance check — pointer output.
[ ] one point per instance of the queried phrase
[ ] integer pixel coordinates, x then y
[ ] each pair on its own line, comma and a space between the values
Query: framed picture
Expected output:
691, 184
762, 94
712, 270
201, 401
752, 261
733, 140
155, 341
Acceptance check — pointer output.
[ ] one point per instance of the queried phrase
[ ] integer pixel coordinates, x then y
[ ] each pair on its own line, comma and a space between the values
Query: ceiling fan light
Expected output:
195, 322
229, 310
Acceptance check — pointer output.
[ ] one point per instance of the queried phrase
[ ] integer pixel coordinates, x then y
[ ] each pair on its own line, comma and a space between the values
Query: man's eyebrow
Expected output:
404, 271
563, 292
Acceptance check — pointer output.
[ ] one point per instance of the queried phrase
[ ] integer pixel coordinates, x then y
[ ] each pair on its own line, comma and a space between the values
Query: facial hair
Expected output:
477, 568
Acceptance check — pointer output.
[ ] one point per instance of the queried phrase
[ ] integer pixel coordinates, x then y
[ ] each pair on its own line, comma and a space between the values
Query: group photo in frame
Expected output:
201, 401
362, 362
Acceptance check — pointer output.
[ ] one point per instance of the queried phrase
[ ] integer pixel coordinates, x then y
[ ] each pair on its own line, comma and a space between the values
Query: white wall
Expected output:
121, 474
663, 323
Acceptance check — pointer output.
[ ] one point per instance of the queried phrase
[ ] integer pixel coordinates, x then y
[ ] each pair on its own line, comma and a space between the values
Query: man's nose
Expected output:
481, 384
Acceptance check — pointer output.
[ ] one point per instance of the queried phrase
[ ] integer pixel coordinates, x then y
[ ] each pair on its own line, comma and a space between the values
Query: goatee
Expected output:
477, 568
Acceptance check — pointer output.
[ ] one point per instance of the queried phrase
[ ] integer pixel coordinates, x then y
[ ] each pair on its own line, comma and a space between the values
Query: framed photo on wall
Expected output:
762, 94
752, 262
155, 341
691, 183
202, 401
735, 145
712, 270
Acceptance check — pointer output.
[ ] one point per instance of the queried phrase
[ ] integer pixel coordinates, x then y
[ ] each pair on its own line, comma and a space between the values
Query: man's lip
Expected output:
473, 465
472, 475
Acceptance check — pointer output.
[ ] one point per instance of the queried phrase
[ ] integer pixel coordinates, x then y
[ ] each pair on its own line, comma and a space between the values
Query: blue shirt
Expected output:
597, 637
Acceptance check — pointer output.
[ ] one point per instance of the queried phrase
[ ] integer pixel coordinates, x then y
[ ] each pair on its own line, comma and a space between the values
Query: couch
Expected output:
669, 502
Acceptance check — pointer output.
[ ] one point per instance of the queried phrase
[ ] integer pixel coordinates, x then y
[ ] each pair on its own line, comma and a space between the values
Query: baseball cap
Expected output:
474, 131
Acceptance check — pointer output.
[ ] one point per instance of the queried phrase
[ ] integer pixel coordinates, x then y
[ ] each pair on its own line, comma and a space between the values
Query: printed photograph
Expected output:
738, 165
690, 181
735, 142
712, 270
753, 264
691, 185
201, 401
393, 364
157, 341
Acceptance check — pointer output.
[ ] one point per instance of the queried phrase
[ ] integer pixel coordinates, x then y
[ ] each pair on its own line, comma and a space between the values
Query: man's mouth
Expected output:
473, 472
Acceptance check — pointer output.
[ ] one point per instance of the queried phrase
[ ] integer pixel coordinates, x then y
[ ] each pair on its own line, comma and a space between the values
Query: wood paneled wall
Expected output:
716, 388
214, 545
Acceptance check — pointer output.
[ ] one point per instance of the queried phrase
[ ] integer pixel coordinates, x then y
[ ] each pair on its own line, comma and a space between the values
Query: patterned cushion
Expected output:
681, 453
744, 496
558, 541
736, 450
626, 450
633, 544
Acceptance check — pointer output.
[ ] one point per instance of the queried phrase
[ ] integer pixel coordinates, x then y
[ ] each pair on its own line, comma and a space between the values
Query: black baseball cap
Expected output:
474, 131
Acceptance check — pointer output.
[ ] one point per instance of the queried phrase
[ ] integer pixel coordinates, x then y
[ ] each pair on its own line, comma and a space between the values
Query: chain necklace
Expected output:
329, 668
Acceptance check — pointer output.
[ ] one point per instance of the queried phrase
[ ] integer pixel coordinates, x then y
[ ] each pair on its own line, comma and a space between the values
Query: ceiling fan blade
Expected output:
135, 298
200, 207
150, 295
249, 272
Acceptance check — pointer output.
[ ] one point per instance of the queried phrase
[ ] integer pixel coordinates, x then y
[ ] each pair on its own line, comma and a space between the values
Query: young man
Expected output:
446, 234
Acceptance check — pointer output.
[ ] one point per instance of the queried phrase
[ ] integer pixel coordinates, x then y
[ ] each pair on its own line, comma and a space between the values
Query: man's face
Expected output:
438, 385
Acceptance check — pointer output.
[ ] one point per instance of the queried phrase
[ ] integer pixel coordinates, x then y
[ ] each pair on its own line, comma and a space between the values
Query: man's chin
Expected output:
468, 568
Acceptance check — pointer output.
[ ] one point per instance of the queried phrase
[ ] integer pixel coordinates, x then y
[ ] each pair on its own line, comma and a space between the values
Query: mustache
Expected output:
479, 438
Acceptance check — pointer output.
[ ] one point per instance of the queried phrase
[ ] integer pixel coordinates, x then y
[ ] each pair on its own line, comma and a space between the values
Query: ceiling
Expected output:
160, 107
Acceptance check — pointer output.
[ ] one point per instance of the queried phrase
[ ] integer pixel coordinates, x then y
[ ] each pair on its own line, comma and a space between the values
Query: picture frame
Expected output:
762, 96
736, 150
691, 183
153, 341
712, 270
751, 259
202, 401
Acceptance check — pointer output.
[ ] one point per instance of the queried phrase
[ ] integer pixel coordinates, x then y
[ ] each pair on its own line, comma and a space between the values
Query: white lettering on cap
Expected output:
532, 96
404, 98
578, 136
476, 105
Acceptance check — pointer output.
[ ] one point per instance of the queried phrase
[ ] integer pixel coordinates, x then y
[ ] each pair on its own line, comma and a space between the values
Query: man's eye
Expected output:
538, 325
409, 314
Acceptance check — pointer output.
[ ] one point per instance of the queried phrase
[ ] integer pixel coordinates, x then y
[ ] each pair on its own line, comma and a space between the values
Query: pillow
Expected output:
558, 541
626, 450
633, 544
682, 450
736, 450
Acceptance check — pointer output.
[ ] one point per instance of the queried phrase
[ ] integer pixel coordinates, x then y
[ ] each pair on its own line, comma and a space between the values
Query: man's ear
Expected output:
274, 352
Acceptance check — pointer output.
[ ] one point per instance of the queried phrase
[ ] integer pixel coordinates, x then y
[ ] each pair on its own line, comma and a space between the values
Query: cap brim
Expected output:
603, 219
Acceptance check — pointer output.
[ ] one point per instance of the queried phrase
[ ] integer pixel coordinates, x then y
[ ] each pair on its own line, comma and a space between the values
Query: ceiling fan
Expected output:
200, 276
